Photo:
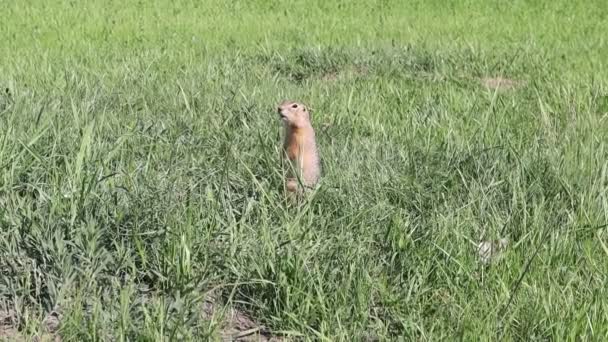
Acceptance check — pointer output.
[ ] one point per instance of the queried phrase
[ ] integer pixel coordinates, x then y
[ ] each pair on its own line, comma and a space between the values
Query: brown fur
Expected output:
299, 145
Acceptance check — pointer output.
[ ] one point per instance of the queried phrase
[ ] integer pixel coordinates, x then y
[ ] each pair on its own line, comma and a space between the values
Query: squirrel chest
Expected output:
294, 143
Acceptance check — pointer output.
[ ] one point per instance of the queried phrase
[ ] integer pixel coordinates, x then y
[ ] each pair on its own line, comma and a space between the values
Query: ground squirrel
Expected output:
299, 146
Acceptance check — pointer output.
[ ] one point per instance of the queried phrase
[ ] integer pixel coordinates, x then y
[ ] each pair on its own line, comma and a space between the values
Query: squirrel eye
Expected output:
294, 106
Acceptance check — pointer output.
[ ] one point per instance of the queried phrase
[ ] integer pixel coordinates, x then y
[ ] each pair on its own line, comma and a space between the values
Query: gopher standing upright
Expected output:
299, 145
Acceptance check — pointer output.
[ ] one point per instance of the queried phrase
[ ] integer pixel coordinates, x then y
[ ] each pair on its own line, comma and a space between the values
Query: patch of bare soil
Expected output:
330, 77
500, 83
354, 71
361, 71
238, 326
235, 326
9, 323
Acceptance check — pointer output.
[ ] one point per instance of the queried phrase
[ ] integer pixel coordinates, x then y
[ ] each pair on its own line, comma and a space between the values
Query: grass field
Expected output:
141, 189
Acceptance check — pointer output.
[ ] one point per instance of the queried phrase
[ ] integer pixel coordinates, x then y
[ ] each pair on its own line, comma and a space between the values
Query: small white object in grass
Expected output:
489, 250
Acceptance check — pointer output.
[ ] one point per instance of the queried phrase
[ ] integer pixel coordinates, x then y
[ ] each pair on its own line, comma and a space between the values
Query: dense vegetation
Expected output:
140, 179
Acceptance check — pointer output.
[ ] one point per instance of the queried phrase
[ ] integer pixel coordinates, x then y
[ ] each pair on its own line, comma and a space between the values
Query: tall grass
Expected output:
140, 169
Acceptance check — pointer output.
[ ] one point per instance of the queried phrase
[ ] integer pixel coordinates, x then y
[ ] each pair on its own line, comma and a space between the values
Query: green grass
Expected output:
140, 168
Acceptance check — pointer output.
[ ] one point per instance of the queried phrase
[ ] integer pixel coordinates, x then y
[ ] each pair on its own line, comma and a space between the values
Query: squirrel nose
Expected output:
279, 110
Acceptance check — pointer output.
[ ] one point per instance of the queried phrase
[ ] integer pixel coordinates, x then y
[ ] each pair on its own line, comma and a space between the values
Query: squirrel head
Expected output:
294, 114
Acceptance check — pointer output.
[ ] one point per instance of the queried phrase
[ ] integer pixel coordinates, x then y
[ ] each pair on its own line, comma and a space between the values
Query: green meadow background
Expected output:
140, 177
